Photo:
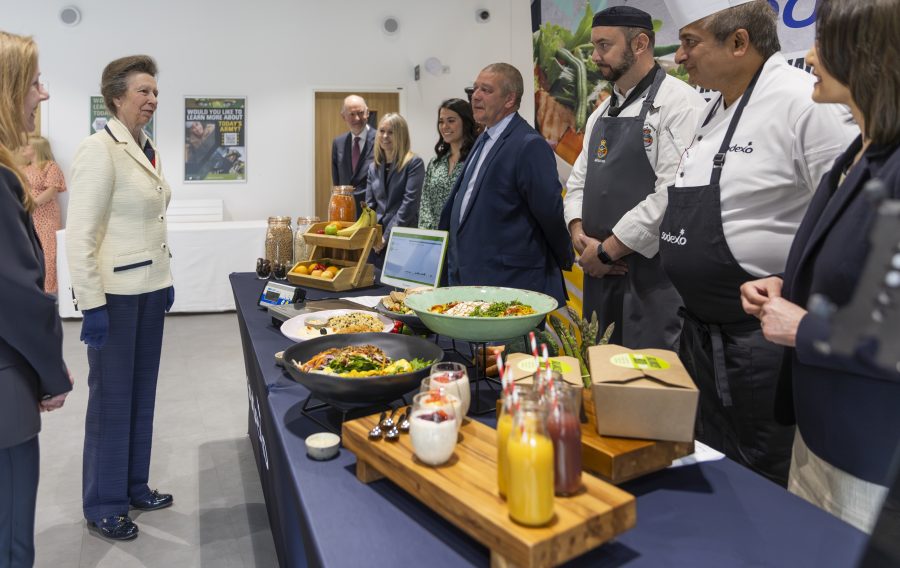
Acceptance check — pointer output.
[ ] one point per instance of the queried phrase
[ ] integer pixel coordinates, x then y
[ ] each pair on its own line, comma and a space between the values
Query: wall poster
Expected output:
215, 139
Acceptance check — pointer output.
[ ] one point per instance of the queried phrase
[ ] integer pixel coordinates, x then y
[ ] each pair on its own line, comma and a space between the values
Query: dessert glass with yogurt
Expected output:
433, 427
428, 386
455, 380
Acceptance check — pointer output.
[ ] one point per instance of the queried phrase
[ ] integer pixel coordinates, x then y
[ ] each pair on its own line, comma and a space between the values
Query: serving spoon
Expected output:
389, 423
375, 433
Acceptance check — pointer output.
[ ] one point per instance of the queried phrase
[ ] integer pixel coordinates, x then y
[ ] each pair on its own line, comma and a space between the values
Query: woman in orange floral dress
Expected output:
46, 181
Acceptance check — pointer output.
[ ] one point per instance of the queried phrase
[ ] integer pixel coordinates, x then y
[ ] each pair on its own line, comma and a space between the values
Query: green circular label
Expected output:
530, 366
638, 361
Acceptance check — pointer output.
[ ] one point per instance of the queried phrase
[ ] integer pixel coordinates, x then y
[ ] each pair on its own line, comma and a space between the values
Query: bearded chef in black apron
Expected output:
617, 192
740, 193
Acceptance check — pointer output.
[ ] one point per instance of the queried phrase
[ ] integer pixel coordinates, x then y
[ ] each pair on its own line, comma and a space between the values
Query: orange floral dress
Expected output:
47, 219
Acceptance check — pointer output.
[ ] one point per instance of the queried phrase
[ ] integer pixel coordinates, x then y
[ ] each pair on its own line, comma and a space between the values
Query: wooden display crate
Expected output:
464, 491
355, 242
351, 274
348, 253
618, 460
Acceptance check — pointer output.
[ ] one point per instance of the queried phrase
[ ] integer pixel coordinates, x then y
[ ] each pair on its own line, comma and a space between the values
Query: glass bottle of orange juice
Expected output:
510, 401
529, 452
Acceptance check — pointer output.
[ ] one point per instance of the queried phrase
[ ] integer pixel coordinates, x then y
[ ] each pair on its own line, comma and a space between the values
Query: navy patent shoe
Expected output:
154, 501
116, 527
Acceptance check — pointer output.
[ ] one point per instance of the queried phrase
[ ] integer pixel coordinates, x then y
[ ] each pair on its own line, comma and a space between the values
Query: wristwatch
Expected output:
603, 255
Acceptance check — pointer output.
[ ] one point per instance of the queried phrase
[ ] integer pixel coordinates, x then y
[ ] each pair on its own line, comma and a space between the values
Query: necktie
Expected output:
472, 159
151, 155
354, 154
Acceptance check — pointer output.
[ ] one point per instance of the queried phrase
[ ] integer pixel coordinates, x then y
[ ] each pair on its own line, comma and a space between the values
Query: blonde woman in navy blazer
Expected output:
119, 260
394, 186
33, 376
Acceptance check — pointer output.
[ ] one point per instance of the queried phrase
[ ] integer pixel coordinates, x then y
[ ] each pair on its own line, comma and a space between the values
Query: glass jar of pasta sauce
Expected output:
341, 206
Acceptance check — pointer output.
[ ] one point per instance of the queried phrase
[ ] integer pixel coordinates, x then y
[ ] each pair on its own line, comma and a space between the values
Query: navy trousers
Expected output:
118, 429
19, 469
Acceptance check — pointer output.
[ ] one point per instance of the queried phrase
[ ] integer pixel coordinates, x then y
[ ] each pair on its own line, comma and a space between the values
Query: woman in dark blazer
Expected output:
394, 186
847, 410
33, 376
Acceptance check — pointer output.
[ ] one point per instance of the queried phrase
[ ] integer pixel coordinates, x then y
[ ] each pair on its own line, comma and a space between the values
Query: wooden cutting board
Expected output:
618, 460
464, 491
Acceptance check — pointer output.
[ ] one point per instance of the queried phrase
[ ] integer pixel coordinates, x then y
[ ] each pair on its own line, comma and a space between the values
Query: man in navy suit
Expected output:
351, 153
505, 213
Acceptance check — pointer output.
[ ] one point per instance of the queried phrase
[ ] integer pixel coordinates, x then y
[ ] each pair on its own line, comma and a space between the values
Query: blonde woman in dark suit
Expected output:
119, 260
394, 186
33, 376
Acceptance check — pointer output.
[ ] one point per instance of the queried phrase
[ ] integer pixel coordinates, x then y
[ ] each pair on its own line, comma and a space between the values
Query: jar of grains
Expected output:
341, 206
279, 240
302, 250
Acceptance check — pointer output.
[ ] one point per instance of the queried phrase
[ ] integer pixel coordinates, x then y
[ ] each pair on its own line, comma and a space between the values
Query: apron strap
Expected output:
718, 350
716, 332
651, 94
719, 160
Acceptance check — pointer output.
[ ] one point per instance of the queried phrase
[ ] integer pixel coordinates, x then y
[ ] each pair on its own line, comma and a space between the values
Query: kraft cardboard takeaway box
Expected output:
642, 393
524, 367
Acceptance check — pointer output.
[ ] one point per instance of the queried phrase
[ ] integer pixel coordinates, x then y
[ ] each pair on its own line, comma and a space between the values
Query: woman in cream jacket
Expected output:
119, 261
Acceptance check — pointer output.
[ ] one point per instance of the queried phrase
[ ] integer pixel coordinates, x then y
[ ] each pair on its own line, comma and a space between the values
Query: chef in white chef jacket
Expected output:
739, 195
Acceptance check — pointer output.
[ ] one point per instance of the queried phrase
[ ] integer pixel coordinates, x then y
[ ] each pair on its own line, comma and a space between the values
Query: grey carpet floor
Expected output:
201, 454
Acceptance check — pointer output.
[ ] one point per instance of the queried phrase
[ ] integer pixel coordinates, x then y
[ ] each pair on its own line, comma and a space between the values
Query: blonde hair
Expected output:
42, 152
18, 65
400, 153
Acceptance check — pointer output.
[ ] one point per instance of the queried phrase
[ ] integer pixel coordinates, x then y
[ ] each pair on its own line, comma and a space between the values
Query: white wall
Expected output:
276, 53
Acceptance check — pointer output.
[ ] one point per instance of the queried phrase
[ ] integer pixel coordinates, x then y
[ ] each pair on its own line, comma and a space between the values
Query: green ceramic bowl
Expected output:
480, 329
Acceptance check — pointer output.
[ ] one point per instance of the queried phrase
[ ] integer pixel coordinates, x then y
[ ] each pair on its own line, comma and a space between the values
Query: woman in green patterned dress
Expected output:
457, 133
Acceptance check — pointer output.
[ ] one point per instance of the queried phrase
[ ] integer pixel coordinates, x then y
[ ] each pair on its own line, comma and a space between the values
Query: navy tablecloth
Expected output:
715, 514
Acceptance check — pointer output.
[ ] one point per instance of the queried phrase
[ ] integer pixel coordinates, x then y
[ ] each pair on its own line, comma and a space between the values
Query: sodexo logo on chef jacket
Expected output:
748, 149
678, 239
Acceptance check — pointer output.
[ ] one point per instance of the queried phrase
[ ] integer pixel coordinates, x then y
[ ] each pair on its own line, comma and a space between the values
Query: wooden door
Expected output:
329, 124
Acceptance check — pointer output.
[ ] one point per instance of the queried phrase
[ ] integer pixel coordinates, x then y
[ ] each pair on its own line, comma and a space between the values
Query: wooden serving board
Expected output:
618, 460
464, 491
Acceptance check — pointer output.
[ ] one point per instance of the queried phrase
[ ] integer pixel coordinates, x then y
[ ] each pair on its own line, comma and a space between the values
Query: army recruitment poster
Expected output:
215, 139
100, 116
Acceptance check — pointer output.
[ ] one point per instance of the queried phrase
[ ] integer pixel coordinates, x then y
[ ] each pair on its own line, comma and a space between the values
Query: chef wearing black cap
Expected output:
616, 194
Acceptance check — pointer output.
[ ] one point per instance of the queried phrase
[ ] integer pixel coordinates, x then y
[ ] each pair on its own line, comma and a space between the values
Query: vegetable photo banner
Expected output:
568, 85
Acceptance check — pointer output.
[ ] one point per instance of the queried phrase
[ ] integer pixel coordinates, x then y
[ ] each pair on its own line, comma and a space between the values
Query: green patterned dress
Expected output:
438, 183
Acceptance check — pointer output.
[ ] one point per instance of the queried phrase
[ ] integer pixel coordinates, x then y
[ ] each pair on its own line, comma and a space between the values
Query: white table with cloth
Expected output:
203, 255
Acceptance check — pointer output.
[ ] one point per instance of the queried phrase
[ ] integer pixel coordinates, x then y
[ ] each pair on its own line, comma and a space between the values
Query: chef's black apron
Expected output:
734, 366
643, 303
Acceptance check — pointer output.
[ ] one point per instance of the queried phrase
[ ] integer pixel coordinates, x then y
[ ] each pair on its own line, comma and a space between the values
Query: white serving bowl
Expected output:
323, 445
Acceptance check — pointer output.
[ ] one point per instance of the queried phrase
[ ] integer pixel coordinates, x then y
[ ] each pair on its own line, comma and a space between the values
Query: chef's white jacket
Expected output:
783, 145
670, 123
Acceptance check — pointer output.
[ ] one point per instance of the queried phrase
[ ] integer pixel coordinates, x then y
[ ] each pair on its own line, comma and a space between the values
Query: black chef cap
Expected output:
623, 17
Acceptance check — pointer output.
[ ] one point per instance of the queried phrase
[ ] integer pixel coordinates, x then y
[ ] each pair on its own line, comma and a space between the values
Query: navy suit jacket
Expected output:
342, 172
31, 363
847, 410
396, 200
513, 232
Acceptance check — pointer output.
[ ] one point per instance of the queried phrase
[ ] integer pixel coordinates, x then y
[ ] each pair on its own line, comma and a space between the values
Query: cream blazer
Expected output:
116, 222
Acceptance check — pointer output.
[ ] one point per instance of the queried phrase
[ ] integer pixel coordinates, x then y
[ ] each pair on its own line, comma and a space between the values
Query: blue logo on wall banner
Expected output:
602, 151
748, 149
678, 239
647, 134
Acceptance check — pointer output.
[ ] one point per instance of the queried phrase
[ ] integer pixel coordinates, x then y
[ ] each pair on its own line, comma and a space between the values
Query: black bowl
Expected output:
363, 391
410, 319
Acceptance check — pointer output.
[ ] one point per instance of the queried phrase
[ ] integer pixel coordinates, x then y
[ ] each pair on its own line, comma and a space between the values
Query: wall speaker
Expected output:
390, 25
70, 15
